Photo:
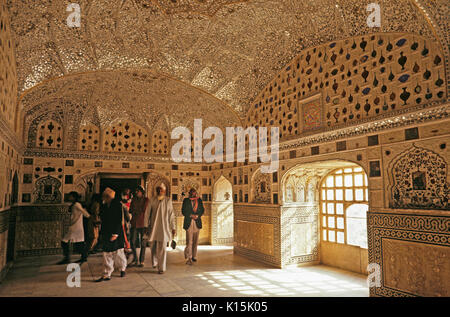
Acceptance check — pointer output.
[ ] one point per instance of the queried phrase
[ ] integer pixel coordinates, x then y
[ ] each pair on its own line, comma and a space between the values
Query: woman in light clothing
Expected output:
75, 234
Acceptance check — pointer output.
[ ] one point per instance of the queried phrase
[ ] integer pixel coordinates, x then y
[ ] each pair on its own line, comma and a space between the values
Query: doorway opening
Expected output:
119, 184
222, 213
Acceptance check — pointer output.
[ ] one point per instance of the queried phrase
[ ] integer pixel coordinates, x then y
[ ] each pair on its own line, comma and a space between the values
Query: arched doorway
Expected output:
324, 207
222, 213
15, 189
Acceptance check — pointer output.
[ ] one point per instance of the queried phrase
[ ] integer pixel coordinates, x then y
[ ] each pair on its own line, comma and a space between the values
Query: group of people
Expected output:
120, 225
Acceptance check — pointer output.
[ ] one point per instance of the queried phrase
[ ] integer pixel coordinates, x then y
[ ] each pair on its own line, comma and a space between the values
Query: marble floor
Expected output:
217, 273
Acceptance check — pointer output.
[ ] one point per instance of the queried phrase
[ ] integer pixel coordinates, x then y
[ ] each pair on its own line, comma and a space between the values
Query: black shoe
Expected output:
103, 278
122, 273
63, 261
141, 264
194, 260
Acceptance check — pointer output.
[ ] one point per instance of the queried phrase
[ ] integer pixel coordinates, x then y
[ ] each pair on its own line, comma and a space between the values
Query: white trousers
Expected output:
159, 255
110, 257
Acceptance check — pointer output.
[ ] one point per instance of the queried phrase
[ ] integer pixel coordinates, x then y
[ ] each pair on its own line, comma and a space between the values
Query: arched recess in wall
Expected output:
85, 185
261, 187
304, 208
222, 212
418, 179
153, 180
47, 191
15, 189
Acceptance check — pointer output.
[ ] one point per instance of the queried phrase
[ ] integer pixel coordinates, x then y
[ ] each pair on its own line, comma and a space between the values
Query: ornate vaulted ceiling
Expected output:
102, 97
228, 49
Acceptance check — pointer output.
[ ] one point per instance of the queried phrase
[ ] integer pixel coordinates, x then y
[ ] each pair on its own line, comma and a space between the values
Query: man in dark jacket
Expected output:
192, 211
139, 210
112, 235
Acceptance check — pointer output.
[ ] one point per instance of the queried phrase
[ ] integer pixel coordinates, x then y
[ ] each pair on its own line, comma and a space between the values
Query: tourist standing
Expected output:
192, 211
112, 235
161, 226
92, 224
139, 209
75, 233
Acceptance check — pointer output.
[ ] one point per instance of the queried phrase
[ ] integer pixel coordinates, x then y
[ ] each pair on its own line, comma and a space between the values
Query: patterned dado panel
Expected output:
419, 180
257, 233
351, 81
4, 224
222, 223
413, 251
38, 230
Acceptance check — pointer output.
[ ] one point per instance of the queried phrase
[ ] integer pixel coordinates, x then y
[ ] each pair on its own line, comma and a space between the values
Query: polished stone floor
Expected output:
217, 273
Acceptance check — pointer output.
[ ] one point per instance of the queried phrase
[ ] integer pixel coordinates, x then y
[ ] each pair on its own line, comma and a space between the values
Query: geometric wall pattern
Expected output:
351, 81
125, 137
49, 135
160, 143
89, 139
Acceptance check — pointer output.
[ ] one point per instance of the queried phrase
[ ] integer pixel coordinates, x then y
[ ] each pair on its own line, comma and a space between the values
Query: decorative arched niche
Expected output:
47, 191
261, 187
419, 180
222, 212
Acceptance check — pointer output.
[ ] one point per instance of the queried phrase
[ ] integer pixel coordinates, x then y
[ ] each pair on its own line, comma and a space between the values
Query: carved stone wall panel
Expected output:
255, 236
267, 250
416, 268
412, 251
299, 234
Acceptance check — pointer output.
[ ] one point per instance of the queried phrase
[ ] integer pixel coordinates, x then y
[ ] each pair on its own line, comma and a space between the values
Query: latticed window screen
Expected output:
343, 205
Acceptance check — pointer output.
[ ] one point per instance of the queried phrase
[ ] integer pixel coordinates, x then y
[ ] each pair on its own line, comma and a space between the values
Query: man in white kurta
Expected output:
161, 225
